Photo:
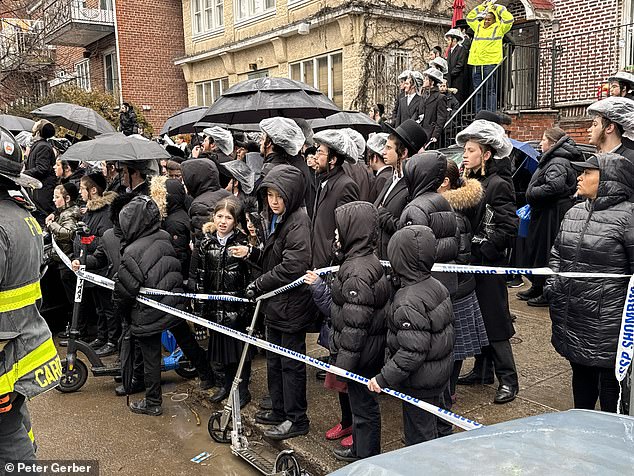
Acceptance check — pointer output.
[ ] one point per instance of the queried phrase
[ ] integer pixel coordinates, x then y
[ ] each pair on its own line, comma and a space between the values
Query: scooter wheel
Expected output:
215, 430
186, 371
72, 380
287, 464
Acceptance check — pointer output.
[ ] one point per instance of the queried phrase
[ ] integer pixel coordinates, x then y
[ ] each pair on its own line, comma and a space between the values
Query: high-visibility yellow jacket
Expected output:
29, 363
486, 47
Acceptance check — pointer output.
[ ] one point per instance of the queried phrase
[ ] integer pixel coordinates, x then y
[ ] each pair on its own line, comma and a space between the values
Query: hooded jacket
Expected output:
200, 177
360, 293
424, 173
596, 236
148, 260
40, 165
420, 332
464, 200
287, 253
63, 228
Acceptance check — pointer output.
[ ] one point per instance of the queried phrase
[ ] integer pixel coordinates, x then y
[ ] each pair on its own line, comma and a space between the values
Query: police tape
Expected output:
446, 415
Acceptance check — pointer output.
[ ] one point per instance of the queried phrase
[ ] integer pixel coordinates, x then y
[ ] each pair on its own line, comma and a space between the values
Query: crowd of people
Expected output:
243, 214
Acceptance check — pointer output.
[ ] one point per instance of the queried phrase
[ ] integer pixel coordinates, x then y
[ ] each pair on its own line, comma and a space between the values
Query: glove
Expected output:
252, 289
5, 403
481, 15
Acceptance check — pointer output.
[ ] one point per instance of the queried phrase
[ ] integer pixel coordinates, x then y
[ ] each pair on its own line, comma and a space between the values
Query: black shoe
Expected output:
267, 417
320, 375
137, 387
97, 343
220, 395
286, 429
245, 399
516, 282
108, 349
143, 408
539, 301
530, 293
475, 378
505, 394
207, 383
265, 403
63, 343
63, 335
345, 454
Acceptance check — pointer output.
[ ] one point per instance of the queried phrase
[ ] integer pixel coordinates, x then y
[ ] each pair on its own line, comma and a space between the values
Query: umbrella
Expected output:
116, 147
531, 161
248, 102
75, 118
126, 356
182, 122
458, 8
347, 119
16, 123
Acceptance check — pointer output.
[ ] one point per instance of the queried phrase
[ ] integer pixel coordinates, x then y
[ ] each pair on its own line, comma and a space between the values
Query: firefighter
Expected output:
29, 364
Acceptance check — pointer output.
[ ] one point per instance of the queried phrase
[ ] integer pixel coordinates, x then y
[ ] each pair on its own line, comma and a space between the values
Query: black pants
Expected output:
366, 420
498, 356
108, 324
287, 377
15, 443
420, 425
592, 383
230, 374
87, 313
69, 283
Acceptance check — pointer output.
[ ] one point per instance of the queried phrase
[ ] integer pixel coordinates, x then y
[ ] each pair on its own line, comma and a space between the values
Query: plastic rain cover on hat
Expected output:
487, 133
417, 76
623, 76
455, 33
616, 109
434, 73
338, 141
358, 140
376, 142
284, 133
403, 76
441, 63
222, 138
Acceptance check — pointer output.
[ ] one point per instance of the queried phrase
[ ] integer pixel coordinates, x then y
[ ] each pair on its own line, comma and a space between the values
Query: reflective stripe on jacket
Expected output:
486, 47
29, 363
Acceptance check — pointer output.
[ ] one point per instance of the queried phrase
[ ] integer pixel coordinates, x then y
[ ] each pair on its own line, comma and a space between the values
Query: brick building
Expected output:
122, 47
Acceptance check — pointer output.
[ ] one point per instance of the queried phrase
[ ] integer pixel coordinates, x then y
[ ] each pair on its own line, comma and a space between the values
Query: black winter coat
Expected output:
458, 76
420, 332
379, 182
219, 272
360, 293
287, 254
464, 201
424, 173
626, 149
411, 111
107, 255
390, 209
360, 175
433, 107
176, 223
40, 164
550, 195
200, 176
338, 190
595, 237
148, 260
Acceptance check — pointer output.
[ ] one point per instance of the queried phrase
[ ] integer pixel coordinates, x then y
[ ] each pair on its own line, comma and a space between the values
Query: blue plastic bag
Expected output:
524, 214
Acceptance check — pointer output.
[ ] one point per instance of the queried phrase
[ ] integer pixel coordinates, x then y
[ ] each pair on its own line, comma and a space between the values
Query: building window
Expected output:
207, 16
208, 91
252, 8
111, 73
385, 67
322, 72
258, 74
82, 71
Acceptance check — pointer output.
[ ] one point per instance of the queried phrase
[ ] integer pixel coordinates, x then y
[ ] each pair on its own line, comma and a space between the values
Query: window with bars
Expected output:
322, 72
82, 71
207, 16
245, 9
385, 66
208, 91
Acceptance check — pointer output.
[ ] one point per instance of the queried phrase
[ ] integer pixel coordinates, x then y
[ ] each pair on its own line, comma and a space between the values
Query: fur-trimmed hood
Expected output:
98, 203
466, 197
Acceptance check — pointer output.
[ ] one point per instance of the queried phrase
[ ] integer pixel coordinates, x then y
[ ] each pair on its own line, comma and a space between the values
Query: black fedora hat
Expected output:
411, 134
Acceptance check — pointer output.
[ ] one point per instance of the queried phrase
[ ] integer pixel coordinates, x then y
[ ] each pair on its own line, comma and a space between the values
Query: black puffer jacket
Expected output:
554, 178
595, 237
219, 272
148, 260
464, 200
424, 173
286, 255
40, 165
360, 293
420, 332
200, 176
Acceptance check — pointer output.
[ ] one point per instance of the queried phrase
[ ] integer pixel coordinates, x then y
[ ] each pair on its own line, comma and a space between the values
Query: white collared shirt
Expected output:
395, 179
410, 97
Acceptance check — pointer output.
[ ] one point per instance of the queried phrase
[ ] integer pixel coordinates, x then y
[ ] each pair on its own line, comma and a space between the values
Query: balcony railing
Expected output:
76, 22
22, 45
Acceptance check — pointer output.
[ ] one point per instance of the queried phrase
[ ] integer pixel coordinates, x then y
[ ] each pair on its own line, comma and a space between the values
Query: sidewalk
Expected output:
544, 387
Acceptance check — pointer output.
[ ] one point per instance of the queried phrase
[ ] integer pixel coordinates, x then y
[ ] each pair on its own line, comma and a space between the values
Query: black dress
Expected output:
221, 273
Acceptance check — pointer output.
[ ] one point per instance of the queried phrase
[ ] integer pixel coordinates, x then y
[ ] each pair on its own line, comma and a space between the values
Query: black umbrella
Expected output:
347, 119
251, 101
116, 147
75, 118
182, 122
255, 127
126, 356
16, 123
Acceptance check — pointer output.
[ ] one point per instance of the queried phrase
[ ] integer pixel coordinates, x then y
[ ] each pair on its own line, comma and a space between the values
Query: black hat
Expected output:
71, 190
98, 179
462, 23
175, 151
411, 134
591, 163
488, 116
